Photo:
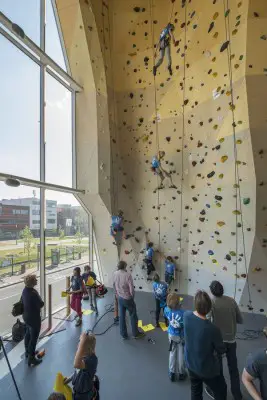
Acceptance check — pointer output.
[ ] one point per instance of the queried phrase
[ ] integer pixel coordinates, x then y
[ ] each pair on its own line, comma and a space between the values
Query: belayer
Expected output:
164, 45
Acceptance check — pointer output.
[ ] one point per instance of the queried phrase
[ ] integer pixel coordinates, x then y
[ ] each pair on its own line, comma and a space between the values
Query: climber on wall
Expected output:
163, 45
148, 260
158, 170
117, 225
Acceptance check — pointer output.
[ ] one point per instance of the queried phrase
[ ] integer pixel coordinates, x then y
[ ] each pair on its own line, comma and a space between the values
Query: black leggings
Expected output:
150, 267
158, 308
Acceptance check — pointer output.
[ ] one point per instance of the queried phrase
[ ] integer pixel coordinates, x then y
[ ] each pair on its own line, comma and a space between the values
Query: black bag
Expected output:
18, 331
17, 308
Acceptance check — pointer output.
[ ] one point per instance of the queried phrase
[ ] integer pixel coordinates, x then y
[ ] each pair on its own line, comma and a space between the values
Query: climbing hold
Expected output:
221, 176
246, 201
210, 252
219, 198
215, 16
224, 46
227, 12
224, 158
211, 174
220, 223
232, 253
236, 212
211, 27
228, 257
221, 140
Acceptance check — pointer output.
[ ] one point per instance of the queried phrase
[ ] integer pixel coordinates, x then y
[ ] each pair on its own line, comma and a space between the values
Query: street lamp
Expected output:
16, 234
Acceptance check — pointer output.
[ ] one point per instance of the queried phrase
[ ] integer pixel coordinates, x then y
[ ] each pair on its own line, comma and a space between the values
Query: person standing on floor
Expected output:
124, 290
32, 305
175, 317
164, 45
225, 314
256, 369
148, 260
76, 290
160, 290
203, 349
89, 279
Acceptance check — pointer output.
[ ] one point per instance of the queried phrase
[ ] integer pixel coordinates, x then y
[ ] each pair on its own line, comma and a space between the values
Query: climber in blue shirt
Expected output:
164, 44
169, 270
160, 290
175, 316
159, 171
117, 224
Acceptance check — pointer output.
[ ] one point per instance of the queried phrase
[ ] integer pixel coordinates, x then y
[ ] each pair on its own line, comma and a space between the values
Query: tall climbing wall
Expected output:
201, 118
208, 117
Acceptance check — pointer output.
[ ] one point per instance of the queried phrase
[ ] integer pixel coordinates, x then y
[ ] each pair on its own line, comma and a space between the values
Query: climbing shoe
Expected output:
170, 70
78, 322
181, 377
173, 187
154, 71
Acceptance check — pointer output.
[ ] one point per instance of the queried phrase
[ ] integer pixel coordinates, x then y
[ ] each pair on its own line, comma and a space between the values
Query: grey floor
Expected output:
127, 369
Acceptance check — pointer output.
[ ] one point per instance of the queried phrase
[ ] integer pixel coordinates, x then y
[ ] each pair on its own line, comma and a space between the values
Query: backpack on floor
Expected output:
18, 331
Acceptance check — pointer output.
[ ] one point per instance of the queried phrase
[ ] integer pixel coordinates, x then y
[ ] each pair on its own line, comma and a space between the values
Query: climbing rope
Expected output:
151, 5
237, 175
182, 152
115, 176
173, 1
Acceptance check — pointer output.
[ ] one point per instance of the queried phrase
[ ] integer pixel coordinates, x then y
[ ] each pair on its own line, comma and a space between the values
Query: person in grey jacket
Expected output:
225, 314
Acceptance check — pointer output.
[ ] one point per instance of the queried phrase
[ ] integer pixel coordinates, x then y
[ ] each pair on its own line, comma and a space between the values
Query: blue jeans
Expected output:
131, 307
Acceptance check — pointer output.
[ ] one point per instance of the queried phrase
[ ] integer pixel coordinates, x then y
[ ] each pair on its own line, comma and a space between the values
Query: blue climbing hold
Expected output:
210, 252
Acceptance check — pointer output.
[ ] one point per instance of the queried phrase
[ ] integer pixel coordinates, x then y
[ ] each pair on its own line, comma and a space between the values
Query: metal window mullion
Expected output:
42, 161
73, 135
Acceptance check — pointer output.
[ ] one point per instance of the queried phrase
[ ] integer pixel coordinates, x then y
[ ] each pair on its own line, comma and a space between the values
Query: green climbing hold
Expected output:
221, 176
246, 201
232, 253
236, 212
227, 12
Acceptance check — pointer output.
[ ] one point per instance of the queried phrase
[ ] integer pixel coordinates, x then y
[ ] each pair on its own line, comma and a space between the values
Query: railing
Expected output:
21, 266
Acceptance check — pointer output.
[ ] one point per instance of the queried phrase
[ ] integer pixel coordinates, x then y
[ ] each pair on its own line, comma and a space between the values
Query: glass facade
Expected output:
43, 227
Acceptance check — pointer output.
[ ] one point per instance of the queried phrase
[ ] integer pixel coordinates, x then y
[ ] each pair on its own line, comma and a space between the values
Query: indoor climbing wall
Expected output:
208, 118
200, 118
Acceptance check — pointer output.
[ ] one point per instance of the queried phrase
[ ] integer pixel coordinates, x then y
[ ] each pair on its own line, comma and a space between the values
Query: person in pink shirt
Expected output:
124, 290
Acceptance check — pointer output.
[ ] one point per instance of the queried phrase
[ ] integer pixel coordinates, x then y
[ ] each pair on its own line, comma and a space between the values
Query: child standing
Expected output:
169, 270
175, 316
149, 258
89, 279
76, 291
160, 291
85, 383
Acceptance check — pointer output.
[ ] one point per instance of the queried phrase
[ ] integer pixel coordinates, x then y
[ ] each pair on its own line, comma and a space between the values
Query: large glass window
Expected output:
58, 133
19, 245
19, 113
26, 14
66, 241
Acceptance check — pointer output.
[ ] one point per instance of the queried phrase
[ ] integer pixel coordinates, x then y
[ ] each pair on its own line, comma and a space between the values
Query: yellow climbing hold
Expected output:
234, 32
215, 74
232, 107
218, 205
219, 88
215, 127
215, 16
236, 186
236, 212
216, 34
220, 223
239, 141
219, 241
221, 140
232, 253
219, 189
228, 93
214, 261
214, 59
224, 158
238, 162
221, 176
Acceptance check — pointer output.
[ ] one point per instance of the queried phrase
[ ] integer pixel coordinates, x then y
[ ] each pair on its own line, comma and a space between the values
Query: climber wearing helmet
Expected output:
163, 45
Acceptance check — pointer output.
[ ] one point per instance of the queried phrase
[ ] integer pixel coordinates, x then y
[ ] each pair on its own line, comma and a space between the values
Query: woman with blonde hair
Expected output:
32, 304
84, 381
